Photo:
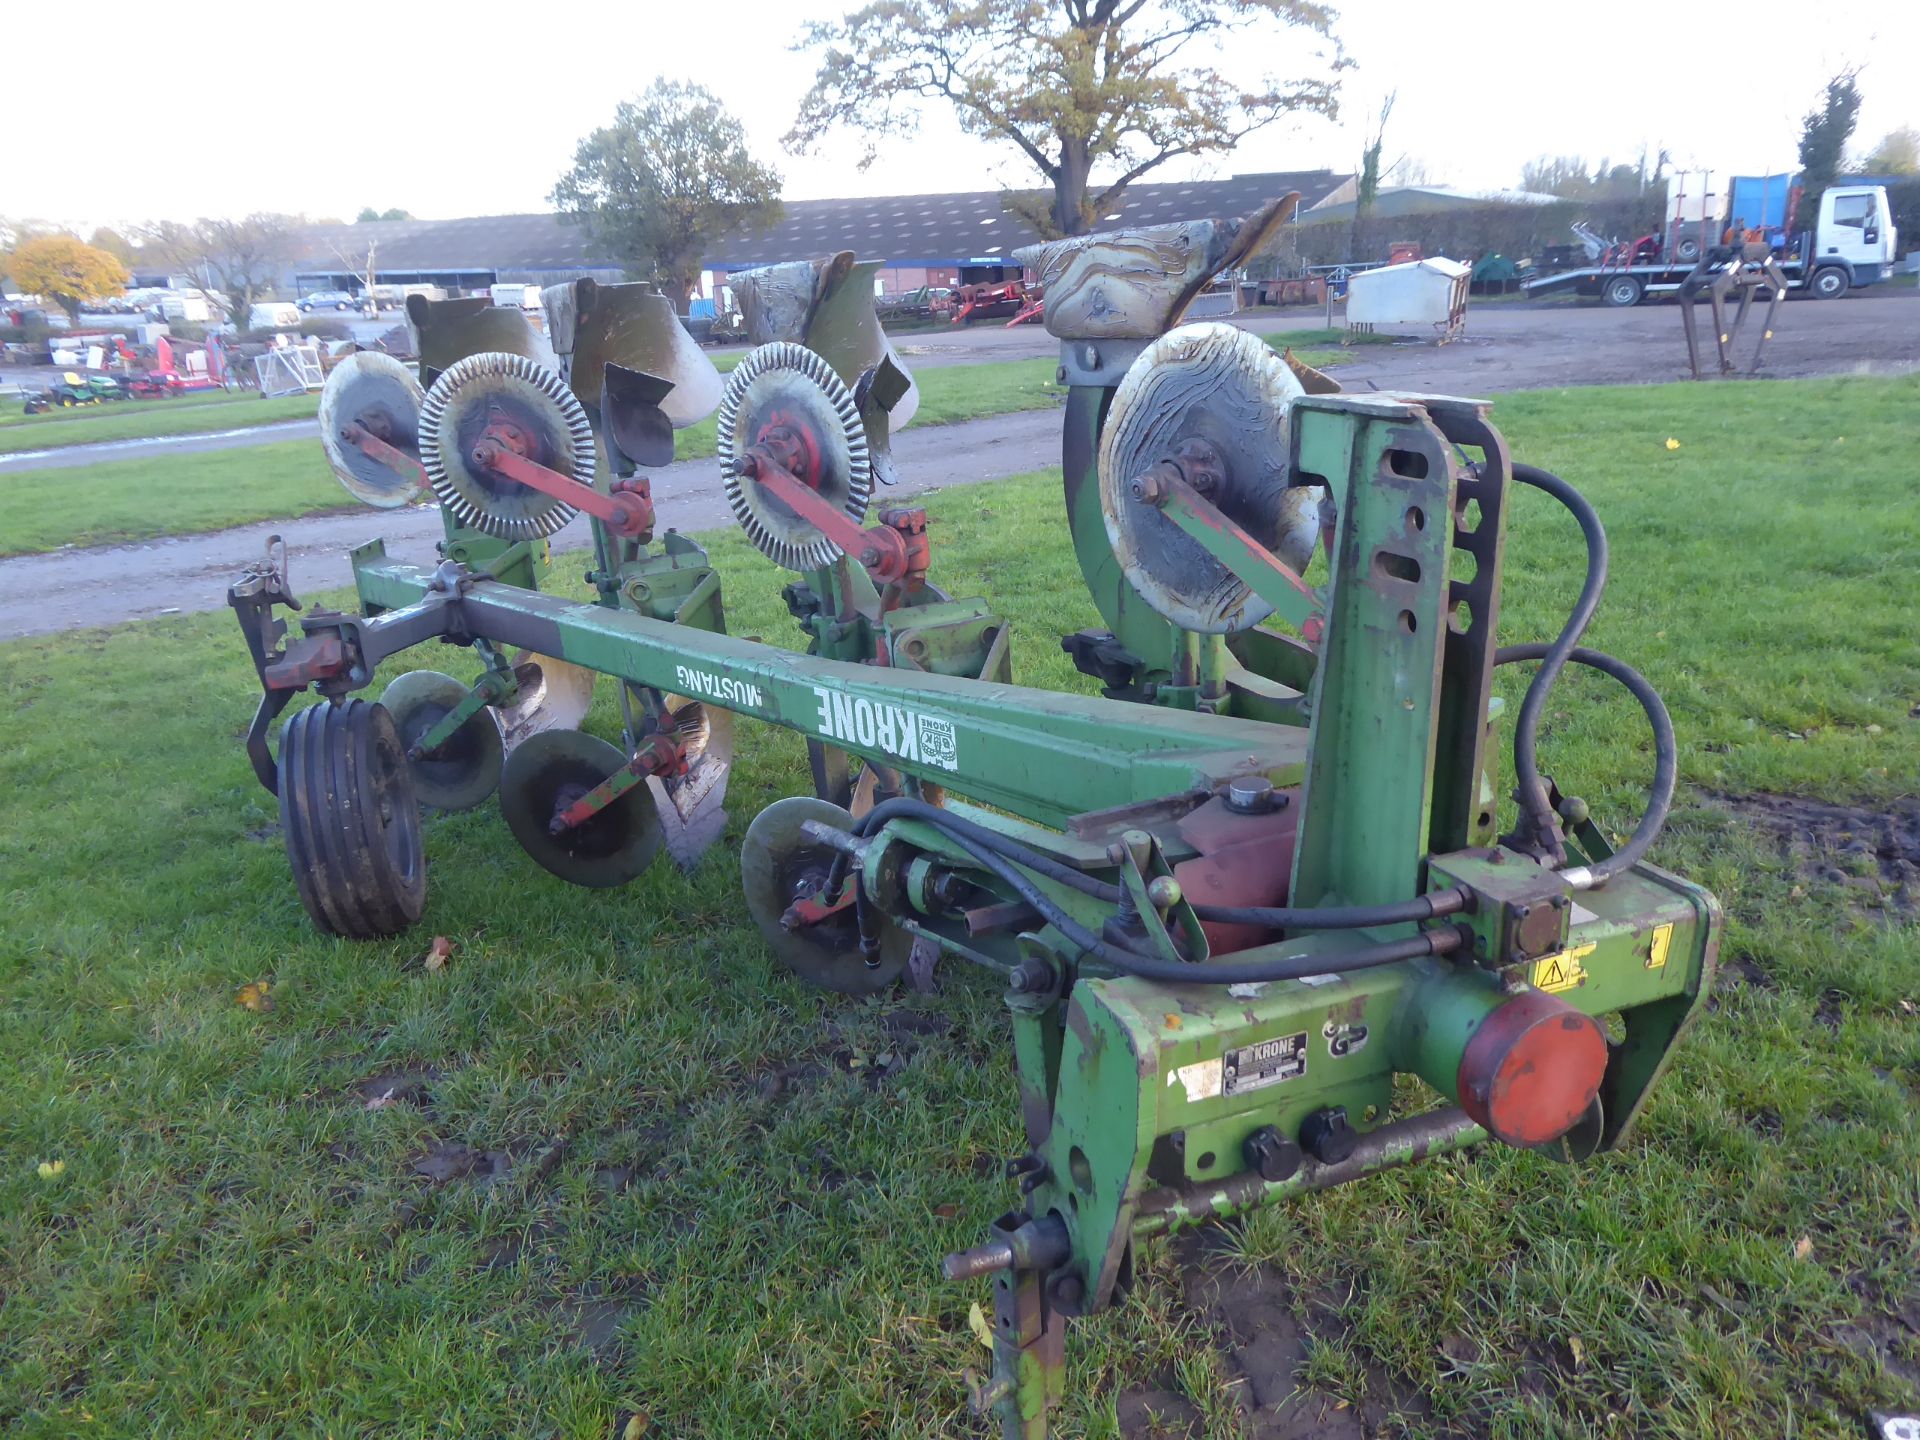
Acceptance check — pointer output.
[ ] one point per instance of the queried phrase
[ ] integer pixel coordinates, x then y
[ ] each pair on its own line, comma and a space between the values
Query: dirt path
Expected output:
40, 594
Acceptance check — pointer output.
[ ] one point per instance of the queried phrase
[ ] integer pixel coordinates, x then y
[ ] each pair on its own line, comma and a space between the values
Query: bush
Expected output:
34, 333
317, 329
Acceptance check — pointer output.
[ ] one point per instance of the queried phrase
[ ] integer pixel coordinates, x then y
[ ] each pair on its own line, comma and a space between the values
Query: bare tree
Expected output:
245, 257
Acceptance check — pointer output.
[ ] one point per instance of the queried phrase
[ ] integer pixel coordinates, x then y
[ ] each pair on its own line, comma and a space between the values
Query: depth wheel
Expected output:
465, 770
351, 820
778, 862
544, 775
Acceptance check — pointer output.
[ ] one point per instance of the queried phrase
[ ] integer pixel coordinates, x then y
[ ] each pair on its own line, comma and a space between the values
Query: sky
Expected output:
474, 110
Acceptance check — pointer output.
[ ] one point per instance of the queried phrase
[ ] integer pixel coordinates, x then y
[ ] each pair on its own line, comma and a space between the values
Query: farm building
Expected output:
926, 239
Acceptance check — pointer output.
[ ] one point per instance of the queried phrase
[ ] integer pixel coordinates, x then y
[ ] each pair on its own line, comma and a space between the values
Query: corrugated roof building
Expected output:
926, 239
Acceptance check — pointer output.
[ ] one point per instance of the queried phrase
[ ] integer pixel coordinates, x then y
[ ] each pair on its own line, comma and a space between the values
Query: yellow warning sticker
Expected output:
1662, 943
1554, 973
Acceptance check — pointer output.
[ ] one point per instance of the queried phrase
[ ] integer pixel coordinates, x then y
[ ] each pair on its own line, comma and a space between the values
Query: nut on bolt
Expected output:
1032, 976
1150, 488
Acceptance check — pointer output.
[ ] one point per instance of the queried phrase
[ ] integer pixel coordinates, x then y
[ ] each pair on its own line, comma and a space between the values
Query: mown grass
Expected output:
123, 500
13, 416
237, 1245
151, 419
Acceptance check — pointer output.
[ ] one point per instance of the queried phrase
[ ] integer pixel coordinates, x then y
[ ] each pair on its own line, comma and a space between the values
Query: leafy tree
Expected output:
246, 257
369, 213
1074, 84
1898, 153
67, 270
667, 180
1824, 134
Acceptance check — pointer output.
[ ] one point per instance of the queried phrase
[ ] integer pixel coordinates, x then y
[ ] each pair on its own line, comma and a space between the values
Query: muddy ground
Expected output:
1506, 347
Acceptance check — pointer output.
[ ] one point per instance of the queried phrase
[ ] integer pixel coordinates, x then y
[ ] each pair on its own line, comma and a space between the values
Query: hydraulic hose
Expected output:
1666, 751
1526, 730
1331, 917
1226, 972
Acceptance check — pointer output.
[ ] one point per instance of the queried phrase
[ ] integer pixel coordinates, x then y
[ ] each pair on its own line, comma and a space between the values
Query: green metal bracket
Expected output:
1136, 625
1376, 690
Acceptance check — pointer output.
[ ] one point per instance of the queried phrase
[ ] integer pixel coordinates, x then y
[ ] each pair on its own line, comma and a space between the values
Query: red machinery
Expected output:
992, 299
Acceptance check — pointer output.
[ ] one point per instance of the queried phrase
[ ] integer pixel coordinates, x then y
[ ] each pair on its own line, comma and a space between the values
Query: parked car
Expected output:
328, 300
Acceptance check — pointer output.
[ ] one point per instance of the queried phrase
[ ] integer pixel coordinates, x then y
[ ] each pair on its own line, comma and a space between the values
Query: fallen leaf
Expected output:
977, 1323
52, 1169
635, 1427
1909, 1008
380, 1101
1802, 1248
257, 997
1874, 730
1672, 444
1578, 1350
438, 953
946, 1212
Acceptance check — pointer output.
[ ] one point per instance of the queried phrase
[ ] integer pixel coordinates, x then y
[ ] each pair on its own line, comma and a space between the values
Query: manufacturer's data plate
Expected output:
1254, 1067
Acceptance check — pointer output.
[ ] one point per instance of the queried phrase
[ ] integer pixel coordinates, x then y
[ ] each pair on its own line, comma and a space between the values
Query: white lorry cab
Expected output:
1854, 242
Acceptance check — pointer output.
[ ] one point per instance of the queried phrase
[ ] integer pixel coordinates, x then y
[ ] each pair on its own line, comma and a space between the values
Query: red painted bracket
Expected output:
628, 512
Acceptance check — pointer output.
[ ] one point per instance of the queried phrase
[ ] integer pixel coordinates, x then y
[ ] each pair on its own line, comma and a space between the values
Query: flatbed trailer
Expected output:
1853, 244
1626, 285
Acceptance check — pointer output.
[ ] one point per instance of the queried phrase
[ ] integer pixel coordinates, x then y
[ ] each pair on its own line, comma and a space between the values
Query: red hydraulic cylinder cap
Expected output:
1532, 1069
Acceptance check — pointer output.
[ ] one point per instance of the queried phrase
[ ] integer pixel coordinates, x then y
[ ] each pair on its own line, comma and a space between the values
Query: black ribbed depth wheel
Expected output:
779, 863
351, 820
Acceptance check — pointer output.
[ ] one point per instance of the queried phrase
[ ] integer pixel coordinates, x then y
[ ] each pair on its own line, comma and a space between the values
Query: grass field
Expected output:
13, 415
741, 1237
144, 419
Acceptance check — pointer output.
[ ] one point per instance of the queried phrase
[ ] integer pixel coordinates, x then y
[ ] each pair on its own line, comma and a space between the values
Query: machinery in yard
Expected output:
1259, 929
72, 389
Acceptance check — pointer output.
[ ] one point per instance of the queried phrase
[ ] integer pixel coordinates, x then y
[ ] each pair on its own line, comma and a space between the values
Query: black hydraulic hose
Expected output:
1332, 917
1666, 764
1226, 972
1553, 658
